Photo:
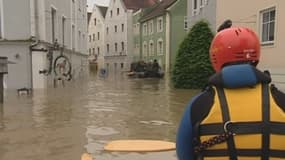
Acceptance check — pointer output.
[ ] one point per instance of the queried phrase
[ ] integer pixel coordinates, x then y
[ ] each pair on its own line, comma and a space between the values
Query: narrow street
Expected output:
64, 123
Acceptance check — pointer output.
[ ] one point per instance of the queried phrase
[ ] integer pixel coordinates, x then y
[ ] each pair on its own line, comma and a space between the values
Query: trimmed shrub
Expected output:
192, 66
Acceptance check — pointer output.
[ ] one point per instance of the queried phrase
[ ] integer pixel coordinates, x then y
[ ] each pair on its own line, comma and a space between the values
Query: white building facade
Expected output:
96, 35
47, 40
119, 52
118, 34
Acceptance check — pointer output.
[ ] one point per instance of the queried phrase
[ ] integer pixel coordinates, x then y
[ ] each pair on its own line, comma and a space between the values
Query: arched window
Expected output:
151, 47
144, 48
160, 46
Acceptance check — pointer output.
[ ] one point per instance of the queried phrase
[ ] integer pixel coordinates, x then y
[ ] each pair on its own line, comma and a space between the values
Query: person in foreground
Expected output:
240, 115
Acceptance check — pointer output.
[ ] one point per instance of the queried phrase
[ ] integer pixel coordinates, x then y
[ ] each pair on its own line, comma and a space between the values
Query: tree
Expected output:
192, 64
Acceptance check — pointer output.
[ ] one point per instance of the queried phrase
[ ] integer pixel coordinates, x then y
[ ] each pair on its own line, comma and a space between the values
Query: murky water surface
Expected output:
64, 123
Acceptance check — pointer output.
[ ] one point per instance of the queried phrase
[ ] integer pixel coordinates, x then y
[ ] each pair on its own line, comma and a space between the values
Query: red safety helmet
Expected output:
234, 45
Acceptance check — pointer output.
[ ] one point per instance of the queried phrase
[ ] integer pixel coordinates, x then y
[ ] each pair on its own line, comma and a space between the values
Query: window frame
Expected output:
145, 52
123, 27
160, 29
145, 29
116, 47
160, 50
262, 12
151, 27
151, 47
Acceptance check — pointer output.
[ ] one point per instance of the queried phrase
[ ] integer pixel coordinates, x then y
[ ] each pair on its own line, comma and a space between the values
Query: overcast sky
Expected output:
99, 2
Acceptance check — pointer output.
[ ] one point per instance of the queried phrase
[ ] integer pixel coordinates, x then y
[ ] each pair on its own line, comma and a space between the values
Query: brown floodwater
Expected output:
65, 122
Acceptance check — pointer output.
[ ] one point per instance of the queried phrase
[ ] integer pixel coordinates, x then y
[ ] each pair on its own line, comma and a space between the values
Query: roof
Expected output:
160, 9
138, 4
103, 10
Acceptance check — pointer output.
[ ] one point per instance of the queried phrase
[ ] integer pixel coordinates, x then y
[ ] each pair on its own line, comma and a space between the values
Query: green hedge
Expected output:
192, 64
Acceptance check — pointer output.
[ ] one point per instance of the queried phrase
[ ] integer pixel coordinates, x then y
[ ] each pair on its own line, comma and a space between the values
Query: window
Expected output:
90, 38
206, 2
195, 7
185, 23
122, 65
93, 37
111, 13
160, 47
195, 4
118, 11
93, 51
79, 5
98, 35
115, 28
145, 29
123, 46
151, 27
151, 48
122, 27
159, 24
98, 51
145, 48
201, 4
90, 51
138, 28
116, 47
108, 48
107, 30
95, 21
268, 26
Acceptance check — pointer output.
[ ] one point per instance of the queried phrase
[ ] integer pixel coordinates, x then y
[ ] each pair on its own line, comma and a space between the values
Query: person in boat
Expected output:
240, 115
155, 66
141, 66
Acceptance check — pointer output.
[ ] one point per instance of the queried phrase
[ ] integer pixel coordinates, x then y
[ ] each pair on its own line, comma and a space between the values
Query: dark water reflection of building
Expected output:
63, 123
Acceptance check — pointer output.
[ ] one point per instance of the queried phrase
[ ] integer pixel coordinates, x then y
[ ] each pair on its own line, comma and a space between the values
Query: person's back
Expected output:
155, 66
240, 115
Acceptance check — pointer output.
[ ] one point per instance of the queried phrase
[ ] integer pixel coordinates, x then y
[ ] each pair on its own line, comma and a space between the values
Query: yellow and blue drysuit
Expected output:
240, 116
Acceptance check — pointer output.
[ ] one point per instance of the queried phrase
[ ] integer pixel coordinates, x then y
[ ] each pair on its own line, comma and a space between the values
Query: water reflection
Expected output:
1, 117
63, 123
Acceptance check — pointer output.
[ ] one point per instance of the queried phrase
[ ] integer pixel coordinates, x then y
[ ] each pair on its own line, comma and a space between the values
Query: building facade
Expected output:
162, 31
264, 17
117, 36
137, 35
96, 37
35, 33
119, 32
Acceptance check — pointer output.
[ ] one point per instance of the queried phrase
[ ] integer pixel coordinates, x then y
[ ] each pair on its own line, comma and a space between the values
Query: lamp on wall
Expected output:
17, 56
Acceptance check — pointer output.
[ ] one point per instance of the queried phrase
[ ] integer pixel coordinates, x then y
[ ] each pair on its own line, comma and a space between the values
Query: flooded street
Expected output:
64, 123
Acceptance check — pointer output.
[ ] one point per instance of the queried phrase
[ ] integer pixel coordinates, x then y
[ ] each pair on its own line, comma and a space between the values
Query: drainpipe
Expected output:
34, 31
168, 56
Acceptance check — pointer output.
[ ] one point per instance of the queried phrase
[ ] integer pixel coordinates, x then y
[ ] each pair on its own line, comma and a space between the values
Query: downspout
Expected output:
34, 35
168, 38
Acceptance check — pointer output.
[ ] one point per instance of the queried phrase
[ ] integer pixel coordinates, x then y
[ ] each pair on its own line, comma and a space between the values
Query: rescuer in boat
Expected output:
240, 115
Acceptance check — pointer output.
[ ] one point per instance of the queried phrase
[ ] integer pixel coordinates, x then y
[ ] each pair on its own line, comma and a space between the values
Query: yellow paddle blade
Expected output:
139, 146
86, 156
